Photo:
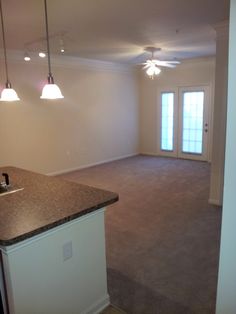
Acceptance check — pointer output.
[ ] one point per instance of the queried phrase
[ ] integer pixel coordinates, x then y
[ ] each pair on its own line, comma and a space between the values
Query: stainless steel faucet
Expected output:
6, 183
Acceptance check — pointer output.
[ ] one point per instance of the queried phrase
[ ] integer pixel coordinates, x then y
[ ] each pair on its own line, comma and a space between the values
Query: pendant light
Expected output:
50, 90
8, 93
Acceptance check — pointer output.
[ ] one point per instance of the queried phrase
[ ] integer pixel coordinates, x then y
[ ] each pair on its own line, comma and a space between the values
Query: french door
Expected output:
184, 123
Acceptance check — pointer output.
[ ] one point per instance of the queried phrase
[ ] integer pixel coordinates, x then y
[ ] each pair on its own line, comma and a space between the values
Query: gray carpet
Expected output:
162, 236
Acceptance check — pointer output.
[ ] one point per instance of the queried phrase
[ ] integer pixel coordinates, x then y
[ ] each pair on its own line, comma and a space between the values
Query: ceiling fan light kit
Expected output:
153, 70
152, 66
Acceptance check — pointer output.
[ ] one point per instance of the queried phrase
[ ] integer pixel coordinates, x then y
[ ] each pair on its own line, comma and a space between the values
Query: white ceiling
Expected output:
118, 30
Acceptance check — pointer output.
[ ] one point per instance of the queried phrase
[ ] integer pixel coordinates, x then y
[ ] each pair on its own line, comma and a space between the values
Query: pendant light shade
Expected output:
8, 93
50, 90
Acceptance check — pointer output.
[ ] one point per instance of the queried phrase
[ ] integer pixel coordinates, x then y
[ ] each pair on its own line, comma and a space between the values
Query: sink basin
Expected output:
9, 190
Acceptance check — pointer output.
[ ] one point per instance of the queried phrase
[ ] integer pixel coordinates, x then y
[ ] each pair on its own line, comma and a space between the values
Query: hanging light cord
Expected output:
4, 45
50, 77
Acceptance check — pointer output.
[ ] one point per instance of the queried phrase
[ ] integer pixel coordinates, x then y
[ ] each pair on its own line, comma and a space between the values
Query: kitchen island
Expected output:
52, 245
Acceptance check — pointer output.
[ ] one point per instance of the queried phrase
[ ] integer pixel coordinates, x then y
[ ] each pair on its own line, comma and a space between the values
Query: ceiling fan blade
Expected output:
148, 66
173, 62
140, 58
165, 63
147, 63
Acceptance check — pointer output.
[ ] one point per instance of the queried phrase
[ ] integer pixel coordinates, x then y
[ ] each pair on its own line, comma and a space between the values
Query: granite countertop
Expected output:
44, 203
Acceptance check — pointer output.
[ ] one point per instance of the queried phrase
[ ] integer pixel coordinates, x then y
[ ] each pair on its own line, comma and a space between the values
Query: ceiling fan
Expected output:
152, 66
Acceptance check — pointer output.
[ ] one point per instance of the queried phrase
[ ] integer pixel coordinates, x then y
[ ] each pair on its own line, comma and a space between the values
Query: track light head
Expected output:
42, 54
27, 57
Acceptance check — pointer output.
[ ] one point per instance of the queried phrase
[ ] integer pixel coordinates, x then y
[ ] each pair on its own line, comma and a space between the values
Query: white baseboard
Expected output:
149, 154
214, 202
90, 165
98, 306
157, 155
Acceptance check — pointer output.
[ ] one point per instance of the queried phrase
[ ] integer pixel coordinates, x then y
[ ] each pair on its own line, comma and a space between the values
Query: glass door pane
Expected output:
167, 121
192, 132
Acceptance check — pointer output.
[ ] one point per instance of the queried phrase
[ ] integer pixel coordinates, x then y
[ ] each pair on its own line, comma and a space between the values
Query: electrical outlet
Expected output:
67, 251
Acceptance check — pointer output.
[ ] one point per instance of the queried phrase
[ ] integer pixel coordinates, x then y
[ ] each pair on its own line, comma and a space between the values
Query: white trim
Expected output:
149, 154
191, 61
158, 155
177, 90
160, 91
222, 30
205, 137
64, 171
98, 306
213, 201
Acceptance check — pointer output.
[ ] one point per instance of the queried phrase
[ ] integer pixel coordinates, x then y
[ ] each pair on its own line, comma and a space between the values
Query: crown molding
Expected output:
68, 62
222, 30
90, 64
207, 59
190, 62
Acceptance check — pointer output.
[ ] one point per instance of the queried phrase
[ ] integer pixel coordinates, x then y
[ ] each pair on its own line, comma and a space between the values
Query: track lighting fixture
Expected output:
27, 56
42, 54
50, 90
62, 46
8, 93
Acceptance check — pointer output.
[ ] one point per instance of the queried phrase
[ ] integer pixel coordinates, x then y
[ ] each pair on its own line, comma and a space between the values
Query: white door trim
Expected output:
204, 155
159, 119
178, 121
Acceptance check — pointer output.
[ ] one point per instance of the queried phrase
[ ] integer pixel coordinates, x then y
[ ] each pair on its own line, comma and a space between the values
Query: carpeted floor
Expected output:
162, 236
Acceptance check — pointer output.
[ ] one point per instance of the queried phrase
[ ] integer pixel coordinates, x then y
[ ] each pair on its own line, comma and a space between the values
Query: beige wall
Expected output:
103, 116
226, 301
97, 120
195, 72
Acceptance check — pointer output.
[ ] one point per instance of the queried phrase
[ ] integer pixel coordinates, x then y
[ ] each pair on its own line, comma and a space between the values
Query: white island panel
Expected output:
40, 280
